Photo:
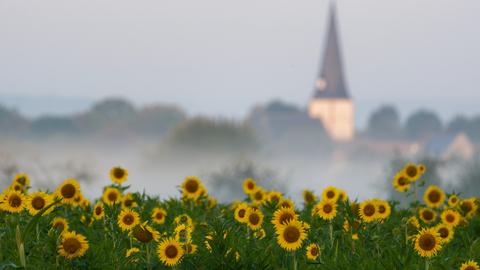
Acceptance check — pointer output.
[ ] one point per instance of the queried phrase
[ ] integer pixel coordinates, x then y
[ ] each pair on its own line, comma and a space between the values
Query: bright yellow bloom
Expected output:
453, 200
326, 209
118, 175
274, 196
445, 232
159, 215
192, 187
98, 211
434, 196
450, 217
13, 201
37, 201
22, 179
427, 242
469, 207
249, 185
470, 265
144, 233
128, 201
368, 211
170, 252
308, 196
412, 172
330, 193
254, 218
383, 209
183, 219
286, 203
241, 213
260, 234
190, 248
401, 182
427, 215
111, 196
68, 190
73, 245
313, 251
128, 219
132, 251
290, 236
183, 233
60, 224
283, 215
258, 196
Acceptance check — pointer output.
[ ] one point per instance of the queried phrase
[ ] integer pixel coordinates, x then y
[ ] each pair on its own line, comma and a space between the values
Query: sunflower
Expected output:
326, 209
118, 175
13, 201
127, 219
433, 196
446, 232
183, 233
308, 196
411, 172
283, 215
159, 215
111, 196
427, 242
144, 233
17, 187
260, 234
342, 195
427, 215
421, 168
37, 201
401, 182
470, 265
258, 196
274, 196
211, 202
128, 201
383, 209
183, 219
73, 245
285, 203
450, 217
249, 185
330, 193
60, 224
290, 236
78, 200
413, 221
170, 252
468, 207
241, 213
68, 190
192, 187
190, 248
98, 211
132, 251
254, 218
22, 179
368, 211
313, 251
453, 200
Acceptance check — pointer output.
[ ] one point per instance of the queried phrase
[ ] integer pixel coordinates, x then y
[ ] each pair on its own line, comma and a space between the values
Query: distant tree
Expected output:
158, 119
422, 124
457, 124
384, 123
11, 122
51, 125
473, 129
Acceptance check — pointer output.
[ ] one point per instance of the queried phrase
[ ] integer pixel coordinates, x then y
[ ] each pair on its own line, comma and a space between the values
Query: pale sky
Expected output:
220, 57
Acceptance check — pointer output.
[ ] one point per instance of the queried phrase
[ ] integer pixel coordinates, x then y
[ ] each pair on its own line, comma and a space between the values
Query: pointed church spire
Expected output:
330, 82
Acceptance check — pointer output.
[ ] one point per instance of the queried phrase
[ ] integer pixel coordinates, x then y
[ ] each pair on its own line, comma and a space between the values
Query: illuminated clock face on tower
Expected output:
321, 84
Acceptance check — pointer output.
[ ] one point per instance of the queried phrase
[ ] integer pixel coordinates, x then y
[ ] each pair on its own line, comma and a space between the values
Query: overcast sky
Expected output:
221, 57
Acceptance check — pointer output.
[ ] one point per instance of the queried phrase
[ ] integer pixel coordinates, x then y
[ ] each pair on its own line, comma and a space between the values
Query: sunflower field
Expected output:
62, 229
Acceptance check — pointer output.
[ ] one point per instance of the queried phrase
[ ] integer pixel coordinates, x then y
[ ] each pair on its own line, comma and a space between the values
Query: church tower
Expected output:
331, 102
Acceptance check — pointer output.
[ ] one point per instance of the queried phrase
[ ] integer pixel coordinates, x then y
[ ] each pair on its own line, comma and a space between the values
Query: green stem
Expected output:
331, 233
148, 257
427, 264
294, 261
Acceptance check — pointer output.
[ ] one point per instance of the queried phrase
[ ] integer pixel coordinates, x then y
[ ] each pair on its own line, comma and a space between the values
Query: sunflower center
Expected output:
128, 219
314, 251
330, 194
258, 195
309, 197
241, 213
17, 188
171, 252
470, 268
38, 203
285, 217
428, 215
22, 180
112, 196
402, 181
15, 201
450, 218
443, 232
412, 171
250, 185
128, 202
434, 196
68, 191
327, 208
254, 219
291, 234
119, 173
98, 210
466, 207
59, 226
369, 210
382, 209
453, 200
427, 242
71, 245
159, 215
191, 186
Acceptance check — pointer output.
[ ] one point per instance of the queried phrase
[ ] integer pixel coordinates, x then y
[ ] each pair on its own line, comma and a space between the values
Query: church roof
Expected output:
330, 81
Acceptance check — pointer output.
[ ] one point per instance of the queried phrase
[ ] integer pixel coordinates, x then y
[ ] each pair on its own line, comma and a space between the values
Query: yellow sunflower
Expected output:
128, 201
144, 233
309, 197
258, 196
17, 187
445, 232
427, 215
132, 251
77, 201
330, 193
342, 195
98, 211
285, 203
468, 207
249, 185
190, 248
111, 196
73, 245
118, 175
383, 209
60, 224
368, 211
313, 251
290, 236
22, 179
241, 213
183, 233
260, 234
413, 221
13, 201
326, 209
127, 219
183, 219
170, 252
68, 190
450, 217
254, 218
192, 187
453, 200
421, 168
274, 196
433, 196
159, 215
37, 201
411, 172
283, 215
427, 242
401, 182
470, 265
